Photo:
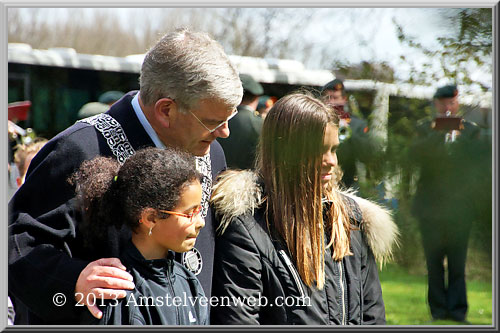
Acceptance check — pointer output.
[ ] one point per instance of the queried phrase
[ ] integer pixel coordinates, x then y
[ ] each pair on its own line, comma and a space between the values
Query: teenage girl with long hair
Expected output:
292, 248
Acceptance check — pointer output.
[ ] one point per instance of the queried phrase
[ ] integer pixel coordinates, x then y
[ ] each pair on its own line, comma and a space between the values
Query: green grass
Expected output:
405, 298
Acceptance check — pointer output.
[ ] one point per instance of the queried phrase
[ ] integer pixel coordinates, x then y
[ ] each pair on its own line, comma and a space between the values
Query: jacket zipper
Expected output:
343, 293
169, 274
295, 274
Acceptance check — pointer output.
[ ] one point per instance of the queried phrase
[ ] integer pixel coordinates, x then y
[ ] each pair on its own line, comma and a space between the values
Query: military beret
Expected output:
250, 85
110, 97
448, 91
333, 85
92, 109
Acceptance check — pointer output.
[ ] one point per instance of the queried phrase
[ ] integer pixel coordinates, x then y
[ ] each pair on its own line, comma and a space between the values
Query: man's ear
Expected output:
164, 110
149, 217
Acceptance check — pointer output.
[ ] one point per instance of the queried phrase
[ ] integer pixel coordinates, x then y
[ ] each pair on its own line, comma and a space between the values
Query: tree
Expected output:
365, 70
465, 50
256, 32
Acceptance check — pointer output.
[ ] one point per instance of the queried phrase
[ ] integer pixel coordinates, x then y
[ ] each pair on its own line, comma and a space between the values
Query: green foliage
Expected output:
376, 71
469, 46
363, 102
403, 117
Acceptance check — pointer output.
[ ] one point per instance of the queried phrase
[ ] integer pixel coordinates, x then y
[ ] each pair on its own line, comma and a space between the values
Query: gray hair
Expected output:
188, 67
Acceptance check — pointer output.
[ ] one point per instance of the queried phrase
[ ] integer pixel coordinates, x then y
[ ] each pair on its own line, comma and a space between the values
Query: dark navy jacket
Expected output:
165, 293
46, 253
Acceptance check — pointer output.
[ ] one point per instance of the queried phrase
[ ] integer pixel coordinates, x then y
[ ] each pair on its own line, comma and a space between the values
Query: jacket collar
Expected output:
155, 269
123, 112
239, 192
245, 108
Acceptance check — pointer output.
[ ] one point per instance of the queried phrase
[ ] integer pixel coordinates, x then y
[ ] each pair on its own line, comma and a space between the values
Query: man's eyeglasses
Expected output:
218, 126
190, 216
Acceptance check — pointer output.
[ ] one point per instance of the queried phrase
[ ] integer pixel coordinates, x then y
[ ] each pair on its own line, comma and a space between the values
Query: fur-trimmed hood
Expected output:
237, 192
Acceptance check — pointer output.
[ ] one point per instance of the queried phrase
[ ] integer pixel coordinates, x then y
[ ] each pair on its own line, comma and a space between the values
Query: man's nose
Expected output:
222, 132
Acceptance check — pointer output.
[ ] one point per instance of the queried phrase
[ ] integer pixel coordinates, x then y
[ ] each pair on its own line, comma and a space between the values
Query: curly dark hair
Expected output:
114, 196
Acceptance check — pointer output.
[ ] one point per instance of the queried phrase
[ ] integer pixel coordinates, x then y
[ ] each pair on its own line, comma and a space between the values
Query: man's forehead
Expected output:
214, 103
214, 109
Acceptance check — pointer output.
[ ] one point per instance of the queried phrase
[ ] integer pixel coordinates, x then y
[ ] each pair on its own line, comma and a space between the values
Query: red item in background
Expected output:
448, 123
18, 111
340, 111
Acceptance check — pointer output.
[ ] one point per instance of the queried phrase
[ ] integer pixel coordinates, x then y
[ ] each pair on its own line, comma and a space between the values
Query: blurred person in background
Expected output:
355, 145
102, 105
110, 97
245, 127
18, 136
24, 154
265, 104
453, 192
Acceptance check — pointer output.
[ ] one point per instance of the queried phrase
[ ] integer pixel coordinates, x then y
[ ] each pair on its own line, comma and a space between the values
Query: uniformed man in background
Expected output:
452, 192
245, 127
353, 134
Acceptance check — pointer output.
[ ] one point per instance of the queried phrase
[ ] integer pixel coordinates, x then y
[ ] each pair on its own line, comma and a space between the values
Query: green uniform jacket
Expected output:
455, 178
240, 146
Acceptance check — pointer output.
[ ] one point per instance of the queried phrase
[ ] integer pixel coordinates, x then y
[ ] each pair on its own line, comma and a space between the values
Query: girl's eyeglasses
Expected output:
190, 216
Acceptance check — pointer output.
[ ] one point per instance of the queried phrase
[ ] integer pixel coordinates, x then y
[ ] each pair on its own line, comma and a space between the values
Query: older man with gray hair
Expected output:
188, 91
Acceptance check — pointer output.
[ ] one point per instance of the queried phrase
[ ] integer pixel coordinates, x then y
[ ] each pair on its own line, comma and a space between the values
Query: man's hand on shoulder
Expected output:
102, 279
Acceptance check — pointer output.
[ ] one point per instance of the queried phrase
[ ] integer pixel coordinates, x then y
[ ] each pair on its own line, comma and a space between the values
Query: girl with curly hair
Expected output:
156, 193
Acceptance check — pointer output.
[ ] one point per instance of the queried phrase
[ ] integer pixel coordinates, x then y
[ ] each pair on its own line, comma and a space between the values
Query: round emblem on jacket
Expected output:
192, 261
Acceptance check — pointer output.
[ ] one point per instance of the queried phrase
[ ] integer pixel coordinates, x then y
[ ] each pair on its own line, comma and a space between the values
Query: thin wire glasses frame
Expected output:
218, 126
190, 216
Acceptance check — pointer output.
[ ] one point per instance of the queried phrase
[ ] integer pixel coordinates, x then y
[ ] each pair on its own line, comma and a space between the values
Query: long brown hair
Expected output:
289, 160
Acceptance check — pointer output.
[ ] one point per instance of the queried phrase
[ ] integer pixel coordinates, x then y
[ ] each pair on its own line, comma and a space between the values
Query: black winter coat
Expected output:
250, 264
165, 293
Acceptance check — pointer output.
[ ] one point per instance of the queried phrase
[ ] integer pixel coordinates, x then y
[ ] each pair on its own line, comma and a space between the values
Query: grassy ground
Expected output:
405, 299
